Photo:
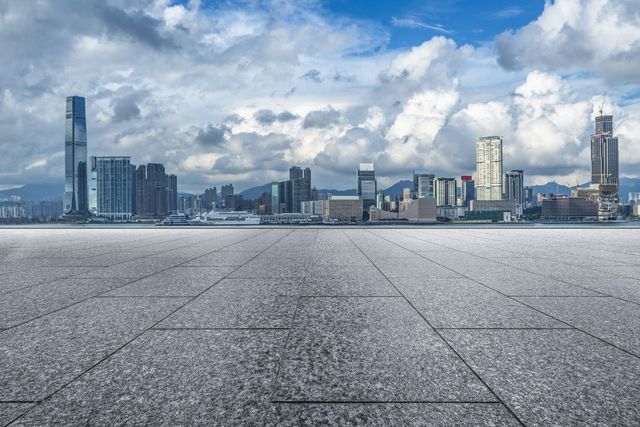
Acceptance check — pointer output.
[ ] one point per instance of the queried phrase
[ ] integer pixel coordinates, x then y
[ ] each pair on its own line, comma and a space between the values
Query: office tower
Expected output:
406, 193
467, 190
275, 198
445, 191
423, 185
171, 189
75, 158
514, 186
142, 195
379, 199
113, 187
300, 187
367, 185
134, 197
225, 191
489, 168
314, 194
156, 190
210, 198
528, 197
604, 167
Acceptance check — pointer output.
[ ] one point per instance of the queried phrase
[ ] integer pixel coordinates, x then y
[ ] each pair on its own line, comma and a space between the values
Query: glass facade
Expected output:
76, 197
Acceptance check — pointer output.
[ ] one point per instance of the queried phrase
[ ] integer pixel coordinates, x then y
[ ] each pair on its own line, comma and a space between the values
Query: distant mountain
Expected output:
551, 188
629, 185
349, 192
396, 189
35, 192
255, 192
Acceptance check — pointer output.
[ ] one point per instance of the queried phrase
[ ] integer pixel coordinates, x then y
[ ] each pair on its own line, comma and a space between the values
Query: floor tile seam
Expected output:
546, 314
498, 262
482, 381
90, 368
73, 276
101, 294
387, 402
191, 328
285, 346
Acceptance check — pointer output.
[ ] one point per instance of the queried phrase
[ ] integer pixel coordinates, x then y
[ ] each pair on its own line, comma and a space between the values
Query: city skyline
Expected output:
177, 83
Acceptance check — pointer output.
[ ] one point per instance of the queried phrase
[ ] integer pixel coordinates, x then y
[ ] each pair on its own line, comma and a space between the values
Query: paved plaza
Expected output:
309, 326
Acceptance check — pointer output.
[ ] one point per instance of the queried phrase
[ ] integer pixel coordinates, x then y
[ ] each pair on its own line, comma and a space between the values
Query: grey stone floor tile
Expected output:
554, 377
40, 356
462, 303
370, 349
26, 304
413, 267
37, 275
134, 269
347, 285
176, 281
610, 319
621, 287
522, 283
240, 303
626, 271
11, 411
222, 259
174, 378
394, 414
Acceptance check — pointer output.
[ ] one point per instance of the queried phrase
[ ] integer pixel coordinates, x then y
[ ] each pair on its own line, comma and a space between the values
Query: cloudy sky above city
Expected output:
235, 91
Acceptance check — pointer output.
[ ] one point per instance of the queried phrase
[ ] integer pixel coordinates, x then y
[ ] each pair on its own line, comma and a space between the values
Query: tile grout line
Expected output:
101, 294
439, 335
519, 301
89, 369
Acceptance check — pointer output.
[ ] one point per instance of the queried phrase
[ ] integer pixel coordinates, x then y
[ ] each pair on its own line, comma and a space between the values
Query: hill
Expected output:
35, 192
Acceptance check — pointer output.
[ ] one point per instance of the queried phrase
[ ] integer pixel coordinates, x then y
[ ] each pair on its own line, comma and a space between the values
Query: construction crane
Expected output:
604, 96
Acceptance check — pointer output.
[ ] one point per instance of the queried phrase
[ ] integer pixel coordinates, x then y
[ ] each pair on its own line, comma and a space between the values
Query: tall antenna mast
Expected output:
604, 96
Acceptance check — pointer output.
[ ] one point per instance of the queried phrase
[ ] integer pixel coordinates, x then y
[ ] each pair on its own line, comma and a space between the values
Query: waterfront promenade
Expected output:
308, 326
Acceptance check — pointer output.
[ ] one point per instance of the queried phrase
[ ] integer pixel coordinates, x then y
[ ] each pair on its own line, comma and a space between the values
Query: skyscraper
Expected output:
423, 185
300, 186
171, 190
489, 168
367, 185
156, 189
75, 152
445, 191
604, 167
113, 192
514, 186
467, 190
142, 197
210, 198
225, 192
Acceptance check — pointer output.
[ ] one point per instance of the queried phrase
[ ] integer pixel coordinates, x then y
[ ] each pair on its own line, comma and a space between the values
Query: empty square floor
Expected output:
320, 326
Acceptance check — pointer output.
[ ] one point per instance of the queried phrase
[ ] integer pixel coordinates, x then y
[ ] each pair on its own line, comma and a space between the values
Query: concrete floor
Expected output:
320, 326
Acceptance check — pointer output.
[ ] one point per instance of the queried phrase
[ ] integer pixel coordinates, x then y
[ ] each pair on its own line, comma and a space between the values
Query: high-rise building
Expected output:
113, 187
172, 194
514, 186
605, 167
406, 194
423, 185
300, 187
445, 191
467, 190
142, 196
225, 191
156, 190
528, 197
367, 185
489, 168
76, 193
210, 198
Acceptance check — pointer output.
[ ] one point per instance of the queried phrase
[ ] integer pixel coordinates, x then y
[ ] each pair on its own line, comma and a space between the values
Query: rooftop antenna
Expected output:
604, 96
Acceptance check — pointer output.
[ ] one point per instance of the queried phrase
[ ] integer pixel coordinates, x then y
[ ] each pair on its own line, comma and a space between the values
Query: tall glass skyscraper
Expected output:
76, 193
367, 185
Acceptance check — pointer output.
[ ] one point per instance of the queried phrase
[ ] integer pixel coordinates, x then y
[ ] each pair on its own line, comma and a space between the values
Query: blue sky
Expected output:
238, 91
412, 22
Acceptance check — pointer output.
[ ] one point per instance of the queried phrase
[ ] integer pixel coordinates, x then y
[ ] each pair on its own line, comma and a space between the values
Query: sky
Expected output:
238, 91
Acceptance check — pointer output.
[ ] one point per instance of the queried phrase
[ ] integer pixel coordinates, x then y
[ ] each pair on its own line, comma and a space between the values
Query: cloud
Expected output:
412, 22
268, 117
321, 118
601, 36
507, 12
212, 136
313, 75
